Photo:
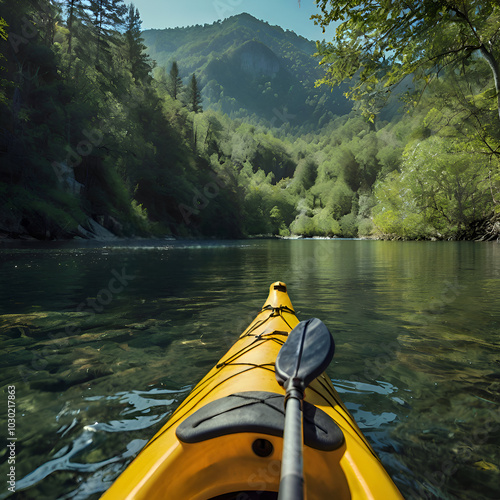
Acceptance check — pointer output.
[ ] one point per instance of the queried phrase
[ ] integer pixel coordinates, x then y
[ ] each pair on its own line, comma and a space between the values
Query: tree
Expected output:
137, 59
175, 83
378, 44
72, 7
3, 25
442, 186
107, 19
194, 98
3, 36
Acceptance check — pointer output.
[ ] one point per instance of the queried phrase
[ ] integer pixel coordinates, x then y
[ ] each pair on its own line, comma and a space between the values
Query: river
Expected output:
101, 343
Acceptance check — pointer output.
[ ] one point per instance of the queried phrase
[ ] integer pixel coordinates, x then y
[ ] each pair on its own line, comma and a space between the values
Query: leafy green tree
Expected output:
346, 166
339, 199
378, 44
325, 224
3, 26
397, 214
441, 186
461, 106
305, 175
194, 96
303, 225
365, 152
349, 225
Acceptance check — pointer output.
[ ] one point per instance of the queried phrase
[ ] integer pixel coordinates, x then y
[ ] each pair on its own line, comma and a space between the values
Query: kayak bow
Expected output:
225, 441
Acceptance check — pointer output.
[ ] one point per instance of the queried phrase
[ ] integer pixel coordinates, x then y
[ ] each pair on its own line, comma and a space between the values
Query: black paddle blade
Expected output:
306, 353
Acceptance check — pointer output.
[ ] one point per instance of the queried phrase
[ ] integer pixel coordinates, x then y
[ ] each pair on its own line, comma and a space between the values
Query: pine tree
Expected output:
107, 19
69, 22
137, 59
75, 13
194, 96
175, 83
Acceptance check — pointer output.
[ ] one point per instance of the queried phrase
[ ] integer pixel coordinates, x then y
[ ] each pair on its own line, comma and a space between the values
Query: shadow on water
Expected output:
103, 343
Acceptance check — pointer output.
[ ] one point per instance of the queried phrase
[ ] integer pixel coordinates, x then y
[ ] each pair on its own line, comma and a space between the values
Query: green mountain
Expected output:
247, 67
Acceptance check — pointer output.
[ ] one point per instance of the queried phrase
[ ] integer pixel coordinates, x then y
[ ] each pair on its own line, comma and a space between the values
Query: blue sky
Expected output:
285, 13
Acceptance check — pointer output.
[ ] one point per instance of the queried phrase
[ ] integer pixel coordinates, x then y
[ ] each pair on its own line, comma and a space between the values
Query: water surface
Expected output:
103, 343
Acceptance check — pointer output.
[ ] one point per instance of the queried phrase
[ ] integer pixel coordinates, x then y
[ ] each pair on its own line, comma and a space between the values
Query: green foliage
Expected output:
325, 224
194, 96
3, 26
339, 199
174, 85
365, 227
303, 225
377, 47
305, 175
252, 71
51, 213
349, 226
136, 58
441, 190
85, 131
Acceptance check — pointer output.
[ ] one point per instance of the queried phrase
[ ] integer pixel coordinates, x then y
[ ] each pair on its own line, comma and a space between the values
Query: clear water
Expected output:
103, 343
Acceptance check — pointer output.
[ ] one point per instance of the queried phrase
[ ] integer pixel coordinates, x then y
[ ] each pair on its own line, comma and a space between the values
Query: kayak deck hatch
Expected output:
259, 412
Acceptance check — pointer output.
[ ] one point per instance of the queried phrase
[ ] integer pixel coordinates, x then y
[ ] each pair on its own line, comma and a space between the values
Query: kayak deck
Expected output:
225, 440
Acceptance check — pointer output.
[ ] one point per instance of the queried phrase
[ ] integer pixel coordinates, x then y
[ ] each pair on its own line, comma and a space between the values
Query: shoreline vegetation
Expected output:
485, 231
97, 141
491, 236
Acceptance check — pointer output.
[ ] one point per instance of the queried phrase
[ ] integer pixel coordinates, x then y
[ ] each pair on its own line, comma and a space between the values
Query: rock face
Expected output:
66, 176
256, 59
95, 231
37, 227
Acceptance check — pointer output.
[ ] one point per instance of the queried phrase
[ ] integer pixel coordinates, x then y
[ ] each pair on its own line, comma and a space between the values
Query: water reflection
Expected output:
415, 324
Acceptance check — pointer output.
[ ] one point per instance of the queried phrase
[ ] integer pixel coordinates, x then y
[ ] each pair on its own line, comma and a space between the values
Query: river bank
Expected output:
101, 235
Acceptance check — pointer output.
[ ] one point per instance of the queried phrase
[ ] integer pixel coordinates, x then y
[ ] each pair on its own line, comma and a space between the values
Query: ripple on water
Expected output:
417, 359
97, 452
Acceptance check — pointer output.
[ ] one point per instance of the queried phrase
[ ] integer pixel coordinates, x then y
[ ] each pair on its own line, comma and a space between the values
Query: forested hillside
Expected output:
226, 135
253, 71
447, 185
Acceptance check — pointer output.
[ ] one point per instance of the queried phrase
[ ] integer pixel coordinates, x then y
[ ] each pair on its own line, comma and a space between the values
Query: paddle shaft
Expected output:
306, 353
292, 474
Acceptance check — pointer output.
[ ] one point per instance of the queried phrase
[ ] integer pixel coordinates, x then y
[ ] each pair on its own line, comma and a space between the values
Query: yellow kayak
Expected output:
225, 441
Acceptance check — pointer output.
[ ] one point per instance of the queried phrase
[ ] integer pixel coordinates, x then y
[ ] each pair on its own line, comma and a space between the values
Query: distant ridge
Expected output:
247, 67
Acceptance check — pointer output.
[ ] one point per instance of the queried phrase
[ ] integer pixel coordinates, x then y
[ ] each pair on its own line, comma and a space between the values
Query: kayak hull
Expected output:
241, 457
